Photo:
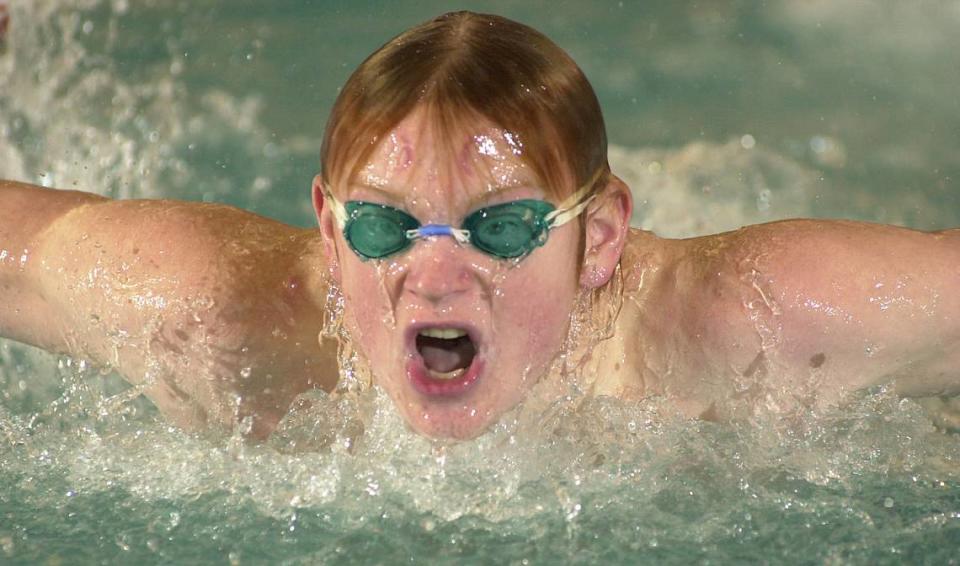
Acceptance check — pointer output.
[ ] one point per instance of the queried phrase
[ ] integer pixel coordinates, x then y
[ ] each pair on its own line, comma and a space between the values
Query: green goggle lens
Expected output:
376, 230
509, 230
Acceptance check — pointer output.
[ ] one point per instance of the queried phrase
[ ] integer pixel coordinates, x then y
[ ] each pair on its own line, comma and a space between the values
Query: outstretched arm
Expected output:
830, 306
26, 213
214, 311
884, 299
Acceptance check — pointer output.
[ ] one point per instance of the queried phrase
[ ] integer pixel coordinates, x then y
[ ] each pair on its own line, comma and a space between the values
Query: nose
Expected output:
438, 269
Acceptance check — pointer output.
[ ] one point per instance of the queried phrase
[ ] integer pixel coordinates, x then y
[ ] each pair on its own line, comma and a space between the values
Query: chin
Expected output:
448, 418
443, 427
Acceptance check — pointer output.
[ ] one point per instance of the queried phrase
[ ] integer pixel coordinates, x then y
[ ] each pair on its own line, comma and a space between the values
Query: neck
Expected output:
618, 363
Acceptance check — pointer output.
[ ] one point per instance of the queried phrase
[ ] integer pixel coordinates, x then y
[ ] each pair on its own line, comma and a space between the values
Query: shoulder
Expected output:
684, 310
219, 299
858, 302
188, 244
132, 262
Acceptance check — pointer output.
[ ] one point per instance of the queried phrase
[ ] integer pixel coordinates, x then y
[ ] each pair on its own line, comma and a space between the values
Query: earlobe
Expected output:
327, 227
607, 226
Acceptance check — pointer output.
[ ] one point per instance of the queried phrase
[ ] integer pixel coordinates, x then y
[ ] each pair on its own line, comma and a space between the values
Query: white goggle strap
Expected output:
572, 206
339, 211
460, 235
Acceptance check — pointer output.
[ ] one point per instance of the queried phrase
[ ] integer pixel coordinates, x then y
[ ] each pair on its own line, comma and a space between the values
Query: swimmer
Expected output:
467, 219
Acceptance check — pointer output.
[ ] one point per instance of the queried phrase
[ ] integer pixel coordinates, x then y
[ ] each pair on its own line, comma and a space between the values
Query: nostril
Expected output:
437, 284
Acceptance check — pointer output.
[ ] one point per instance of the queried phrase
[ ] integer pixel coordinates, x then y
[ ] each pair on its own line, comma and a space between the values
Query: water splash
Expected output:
83, 455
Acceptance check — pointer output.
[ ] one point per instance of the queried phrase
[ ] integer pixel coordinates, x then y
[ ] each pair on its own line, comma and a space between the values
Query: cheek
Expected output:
367, 306
539, 309
543, 299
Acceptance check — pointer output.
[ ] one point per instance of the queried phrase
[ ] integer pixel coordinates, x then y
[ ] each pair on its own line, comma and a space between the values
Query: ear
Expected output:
328, 227
607, 225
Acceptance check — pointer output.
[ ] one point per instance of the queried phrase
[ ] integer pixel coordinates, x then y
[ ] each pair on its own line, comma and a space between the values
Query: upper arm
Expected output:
26, 214
854, 304
200, 303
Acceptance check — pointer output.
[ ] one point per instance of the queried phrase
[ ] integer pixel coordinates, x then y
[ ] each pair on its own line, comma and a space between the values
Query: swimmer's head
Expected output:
463, 68
455, 156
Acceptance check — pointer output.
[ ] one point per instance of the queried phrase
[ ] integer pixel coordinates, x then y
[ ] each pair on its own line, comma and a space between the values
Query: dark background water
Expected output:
864, 93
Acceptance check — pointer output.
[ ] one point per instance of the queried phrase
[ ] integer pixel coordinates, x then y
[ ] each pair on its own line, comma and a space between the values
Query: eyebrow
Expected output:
394, 197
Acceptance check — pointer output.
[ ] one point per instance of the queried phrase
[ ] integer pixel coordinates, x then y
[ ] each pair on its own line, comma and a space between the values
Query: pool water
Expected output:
720, 114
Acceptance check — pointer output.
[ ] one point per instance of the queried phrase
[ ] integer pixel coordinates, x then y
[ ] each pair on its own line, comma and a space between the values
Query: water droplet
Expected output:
763, 200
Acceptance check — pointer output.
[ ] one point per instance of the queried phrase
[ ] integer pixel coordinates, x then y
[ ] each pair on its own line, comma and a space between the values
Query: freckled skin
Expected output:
817, 360
183, 299
215, 312
438, 281
703, 309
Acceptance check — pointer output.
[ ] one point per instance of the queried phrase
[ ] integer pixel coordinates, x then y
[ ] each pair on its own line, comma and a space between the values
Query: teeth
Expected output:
447, 375
445, 333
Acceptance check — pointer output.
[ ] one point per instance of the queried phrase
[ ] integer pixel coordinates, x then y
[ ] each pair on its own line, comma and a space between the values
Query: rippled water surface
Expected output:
720, 114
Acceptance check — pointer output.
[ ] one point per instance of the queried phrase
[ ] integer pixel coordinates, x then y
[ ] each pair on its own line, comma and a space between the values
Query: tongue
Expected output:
444, 356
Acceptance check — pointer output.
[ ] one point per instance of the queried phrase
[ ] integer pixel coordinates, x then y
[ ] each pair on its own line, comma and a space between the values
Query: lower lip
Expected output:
430, 386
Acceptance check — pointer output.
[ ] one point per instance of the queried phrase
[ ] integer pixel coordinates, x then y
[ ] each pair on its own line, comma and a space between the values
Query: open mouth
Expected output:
446, 352
447, 363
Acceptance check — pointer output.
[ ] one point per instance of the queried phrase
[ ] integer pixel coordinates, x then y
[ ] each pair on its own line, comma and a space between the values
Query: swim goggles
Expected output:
507, 231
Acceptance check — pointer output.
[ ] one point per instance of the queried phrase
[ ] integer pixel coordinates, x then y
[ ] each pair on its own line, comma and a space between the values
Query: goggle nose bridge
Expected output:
429, 230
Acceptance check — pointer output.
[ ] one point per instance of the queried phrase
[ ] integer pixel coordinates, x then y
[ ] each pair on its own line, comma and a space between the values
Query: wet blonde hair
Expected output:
462, 67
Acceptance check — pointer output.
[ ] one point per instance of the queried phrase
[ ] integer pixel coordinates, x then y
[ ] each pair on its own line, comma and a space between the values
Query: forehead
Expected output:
474, 156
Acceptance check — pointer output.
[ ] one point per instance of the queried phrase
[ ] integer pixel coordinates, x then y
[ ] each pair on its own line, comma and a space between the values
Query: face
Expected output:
456, 337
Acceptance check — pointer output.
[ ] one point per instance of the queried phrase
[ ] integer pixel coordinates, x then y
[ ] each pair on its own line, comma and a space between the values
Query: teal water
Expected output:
719, 113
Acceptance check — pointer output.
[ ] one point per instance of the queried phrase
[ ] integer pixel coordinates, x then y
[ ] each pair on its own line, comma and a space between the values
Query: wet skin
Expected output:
216, 311
201, 305
515, 312
787, 315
